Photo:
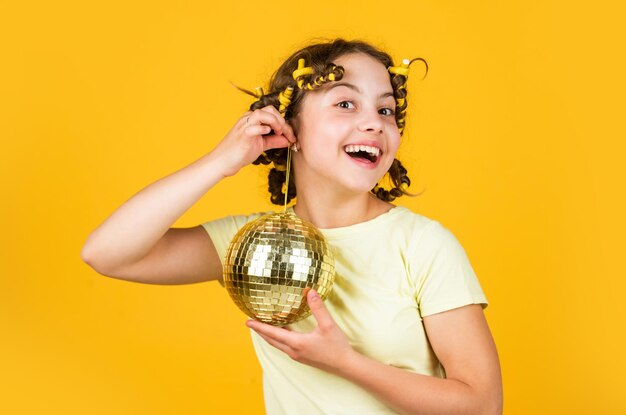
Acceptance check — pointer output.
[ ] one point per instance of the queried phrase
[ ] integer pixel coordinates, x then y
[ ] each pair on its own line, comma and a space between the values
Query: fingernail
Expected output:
314, 295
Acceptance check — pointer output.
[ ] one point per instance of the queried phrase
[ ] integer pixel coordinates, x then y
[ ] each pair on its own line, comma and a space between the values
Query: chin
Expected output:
360, 188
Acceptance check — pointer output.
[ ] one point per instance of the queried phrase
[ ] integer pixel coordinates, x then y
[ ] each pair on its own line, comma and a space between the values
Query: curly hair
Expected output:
320, 57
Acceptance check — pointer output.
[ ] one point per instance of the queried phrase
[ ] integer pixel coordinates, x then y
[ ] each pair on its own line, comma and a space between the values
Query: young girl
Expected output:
403, 329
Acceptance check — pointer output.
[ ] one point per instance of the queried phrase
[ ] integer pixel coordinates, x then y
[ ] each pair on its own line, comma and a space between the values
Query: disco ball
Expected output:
271, 264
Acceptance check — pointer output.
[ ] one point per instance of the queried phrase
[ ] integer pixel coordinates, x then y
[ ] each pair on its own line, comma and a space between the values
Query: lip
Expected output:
369, 143
364, 164
360, 162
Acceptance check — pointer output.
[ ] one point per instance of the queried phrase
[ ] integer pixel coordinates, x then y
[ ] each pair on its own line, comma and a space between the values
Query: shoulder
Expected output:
232, 222
441, 271
427, 240
412, 226
222, 230
423, 229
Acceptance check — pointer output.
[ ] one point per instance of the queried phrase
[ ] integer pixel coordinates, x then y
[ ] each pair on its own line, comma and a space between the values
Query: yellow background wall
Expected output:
514, 135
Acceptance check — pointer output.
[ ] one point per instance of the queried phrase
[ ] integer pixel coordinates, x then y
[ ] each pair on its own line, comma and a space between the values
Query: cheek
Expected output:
388, 163
394, 141
339, 120
312, 133
304, 134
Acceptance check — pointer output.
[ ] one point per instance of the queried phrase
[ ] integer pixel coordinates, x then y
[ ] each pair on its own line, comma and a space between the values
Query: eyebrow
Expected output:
355, 88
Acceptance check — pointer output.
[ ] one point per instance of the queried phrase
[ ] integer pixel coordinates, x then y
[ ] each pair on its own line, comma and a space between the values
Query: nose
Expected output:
370, 121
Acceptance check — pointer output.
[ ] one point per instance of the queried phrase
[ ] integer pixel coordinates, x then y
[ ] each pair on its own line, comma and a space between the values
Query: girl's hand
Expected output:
325, 348
247, 139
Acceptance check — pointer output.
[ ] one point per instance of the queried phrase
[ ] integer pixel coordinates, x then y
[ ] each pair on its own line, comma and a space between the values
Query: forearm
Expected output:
412, 393
130, 232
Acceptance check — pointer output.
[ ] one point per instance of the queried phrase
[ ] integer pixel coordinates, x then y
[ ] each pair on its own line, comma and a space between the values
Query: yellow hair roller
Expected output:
301, 71
258, 92
403, 69
285, 99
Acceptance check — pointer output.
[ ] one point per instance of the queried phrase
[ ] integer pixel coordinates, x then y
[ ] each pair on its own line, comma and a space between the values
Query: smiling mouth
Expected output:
361, 152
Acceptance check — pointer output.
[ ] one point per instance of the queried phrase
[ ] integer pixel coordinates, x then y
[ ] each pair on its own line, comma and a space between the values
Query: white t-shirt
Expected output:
390, 272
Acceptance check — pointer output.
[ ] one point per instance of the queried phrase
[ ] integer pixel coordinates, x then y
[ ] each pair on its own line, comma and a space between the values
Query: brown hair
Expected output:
320, 57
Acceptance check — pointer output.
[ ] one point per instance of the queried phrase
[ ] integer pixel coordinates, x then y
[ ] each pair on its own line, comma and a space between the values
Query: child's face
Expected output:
356, 111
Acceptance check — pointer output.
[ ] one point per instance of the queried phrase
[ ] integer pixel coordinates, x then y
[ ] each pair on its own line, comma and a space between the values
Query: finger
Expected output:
323, 318
267, 117
287, 129
280, 346
289, 133
255, 130
276, 333
273, 110
244, 118
275, 141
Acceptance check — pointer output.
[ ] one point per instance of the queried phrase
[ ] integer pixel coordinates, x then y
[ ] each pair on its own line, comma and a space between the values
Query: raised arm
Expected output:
136, 242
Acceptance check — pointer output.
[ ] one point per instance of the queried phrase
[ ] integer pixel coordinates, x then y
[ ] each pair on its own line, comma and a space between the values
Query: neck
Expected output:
326, 210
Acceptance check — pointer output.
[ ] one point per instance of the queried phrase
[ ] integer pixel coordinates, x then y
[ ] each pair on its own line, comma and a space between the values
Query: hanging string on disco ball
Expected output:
273, 261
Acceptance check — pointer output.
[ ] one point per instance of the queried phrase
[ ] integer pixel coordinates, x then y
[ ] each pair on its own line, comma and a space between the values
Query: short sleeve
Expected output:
221, 231
444, 277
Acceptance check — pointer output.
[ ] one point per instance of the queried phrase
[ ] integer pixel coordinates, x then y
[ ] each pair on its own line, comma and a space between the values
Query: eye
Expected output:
386, 111
346, 105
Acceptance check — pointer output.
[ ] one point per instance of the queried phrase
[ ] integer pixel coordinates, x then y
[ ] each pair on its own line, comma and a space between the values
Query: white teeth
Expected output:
371, 150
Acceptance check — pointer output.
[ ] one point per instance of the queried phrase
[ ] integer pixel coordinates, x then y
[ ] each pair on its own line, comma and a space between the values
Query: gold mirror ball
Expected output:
271, 264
